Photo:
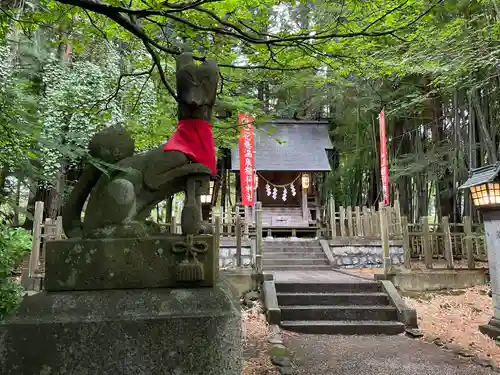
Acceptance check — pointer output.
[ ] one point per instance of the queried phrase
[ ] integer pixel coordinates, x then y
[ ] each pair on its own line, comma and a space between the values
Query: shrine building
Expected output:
290, 161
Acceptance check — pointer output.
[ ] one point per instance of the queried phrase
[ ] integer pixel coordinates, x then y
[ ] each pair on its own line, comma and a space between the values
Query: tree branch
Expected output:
266, 67
114, 94
103, 8
113, 12
142, 90
126, 16
157, 62
95, 25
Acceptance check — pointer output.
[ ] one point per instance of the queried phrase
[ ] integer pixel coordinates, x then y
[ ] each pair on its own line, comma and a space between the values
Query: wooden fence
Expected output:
361, 221
226, 224
231, 223
431, 243
43, 231
443, 243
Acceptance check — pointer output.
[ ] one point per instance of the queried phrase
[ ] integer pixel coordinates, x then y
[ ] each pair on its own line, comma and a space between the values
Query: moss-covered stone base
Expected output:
125, 263
194, 331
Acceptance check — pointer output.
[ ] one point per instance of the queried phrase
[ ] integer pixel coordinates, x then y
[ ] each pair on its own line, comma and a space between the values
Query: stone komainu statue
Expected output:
119, 202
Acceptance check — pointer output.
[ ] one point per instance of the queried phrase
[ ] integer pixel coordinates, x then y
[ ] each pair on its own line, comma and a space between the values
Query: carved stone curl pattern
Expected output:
190, 269
119, 201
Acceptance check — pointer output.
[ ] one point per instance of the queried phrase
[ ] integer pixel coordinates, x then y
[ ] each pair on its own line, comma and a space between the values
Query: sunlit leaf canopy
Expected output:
247, 38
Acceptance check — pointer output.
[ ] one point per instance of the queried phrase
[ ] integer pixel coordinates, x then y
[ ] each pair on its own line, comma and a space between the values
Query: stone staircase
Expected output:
290, 255
331, 302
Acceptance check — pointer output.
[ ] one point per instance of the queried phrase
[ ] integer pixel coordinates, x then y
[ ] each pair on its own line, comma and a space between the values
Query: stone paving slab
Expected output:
374, 355
318, 276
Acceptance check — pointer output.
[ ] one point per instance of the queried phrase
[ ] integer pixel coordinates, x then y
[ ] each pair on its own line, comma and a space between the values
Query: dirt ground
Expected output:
255, 343
454, 317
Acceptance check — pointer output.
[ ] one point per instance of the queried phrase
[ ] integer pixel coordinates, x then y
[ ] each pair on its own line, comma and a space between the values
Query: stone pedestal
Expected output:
492, 239
125, 332
125, 263
150, 306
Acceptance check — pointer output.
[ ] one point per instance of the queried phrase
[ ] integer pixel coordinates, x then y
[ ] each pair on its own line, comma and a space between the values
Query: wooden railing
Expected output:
444, 242
43, 231
231, 223
454, 245
362, 221
433, 244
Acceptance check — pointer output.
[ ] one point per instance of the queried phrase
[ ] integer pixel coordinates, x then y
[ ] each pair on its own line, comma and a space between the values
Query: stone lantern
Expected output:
484, 185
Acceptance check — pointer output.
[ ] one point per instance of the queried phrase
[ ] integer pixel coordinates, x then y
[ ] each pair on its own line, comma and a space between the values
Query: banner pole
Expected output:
384, 174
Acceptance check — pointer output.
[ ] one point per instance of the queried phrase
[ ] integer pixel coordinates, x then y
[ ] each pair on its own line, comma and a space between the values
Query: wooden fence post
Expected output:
448, 246
258, 237
426, 242
233, 220
217, 232
248, 215
222, 220
333, 224
59, 228
48, 228
375, 222
388, 215
399, 221
228, 230
47, 233
246, 225
237, 230
349, 221
384, 237
37, 235
367, 230
406, 242
469, 245
173, 225
359, 227
342, 222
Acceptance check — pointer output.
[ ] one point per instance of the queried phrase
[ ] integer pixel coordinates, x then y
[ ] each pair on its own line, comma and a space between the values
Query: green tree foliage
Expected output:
14, 243
17, 115
431, 64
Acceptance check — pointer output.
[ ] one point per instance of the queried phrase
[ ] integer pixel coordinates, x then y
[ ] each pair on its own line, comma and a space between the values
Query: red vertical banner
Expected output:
247, 166
384, 163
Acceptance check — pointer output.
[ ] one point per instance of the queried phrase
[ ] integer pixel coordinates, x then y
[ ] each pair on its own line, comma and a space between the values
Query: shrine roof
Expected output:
293, 145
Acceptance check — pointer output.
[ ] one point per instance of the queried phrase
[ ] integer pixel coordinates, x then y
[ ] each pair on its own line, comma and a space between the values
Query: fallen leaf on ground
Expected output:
255, 342
455, 318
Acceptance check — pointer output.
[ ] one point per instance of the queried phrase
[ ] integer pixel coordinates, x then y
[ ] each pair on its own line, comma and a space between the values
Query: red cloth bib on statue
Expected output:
195, 139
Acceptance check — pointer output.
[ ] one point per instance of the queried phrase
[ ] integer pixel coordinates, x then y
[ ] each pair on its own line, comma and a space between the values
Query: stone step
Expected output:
325, 287
300, 267
291, 240
273, 243
293, 254
282, 210
288, 245
349, 312
295, 262
285, 299
339, 327
292, 249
